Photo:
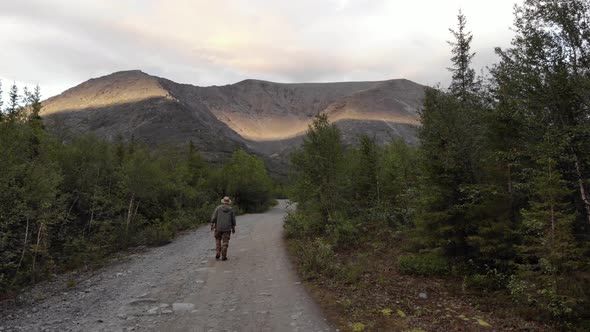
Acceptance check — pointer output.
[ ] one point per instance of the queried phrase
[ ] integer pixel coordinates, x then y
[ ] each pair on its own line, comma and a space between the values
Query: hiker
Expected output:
223, 221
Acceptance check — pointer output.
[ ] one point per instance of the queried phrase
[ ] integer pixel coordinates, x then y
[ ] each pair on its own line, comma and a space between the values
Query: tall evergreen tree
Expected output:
549, 254
318, 167
33, 100
541, 127
13, 102
451, 145
543, 82
463, 82
1, 103
365, 181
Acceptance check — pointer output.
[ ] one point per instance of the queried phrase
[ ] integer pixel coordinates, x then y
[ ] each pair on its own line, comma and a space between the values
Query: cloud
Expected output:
61, 43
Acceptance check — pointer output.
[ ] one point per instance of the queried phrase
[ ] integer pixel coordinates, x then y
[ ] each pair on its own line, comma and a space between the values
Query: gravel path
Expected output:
181, 287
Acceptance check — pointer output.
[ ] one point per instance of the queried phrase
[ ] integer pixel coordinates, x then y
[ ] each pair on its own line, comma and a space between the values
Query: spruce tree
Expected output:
34, 102
549, 254
541, 127
1, 104
318, 168
365, 181
451, 142
463, 82
542, 84
13, 102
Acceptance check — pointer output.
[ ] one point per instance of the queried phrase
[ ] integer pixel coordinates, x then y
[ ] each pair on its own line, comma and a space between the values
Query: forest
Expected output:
66, 205
495, 195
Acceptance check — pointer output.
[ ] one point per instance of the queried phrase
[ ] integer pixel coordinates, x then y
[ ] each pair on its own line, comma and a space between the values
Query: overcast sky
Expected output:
60, 43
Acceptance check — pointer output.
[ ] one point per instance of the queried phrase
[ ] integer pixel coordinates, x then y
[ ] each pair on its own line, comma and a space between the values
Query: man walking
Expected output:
223, 221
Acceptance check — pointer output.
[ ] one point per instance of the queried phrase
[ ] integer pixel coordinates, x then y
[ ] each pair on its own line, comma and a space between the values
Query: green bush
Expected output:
158, 234
488, 279
479, 282
352, 271
343, 233
316, 258
246, 180
553, 296
300, 225
429, 264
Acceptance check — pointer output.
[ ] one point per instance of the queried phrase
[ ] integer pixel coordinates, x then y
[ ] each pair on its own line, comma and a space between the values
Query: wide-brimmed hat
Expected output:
226, 200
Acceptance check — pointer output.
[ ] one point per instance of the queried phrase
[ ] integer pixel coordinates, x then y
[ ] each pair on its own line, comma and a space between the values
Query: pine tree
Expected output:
541, 127
34, 102
441, 222
398, 174
1, 103
548, 251
365, 181
463, 83
318, 168
13, 102
450, 142
542, 83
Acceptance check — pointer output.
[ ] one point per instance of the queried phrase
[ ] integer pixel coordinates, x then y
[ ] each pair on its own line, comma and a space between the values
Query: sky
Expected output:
61, 43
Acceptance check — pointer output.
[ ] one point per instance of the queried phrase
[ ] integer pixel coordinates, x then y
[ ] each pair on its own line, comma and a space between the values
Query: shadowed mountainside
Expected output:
263, 117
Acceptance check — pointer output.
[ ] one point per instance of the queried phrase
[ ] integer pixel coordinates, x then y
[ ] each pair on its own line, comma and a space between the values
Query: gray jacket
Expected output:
223, 218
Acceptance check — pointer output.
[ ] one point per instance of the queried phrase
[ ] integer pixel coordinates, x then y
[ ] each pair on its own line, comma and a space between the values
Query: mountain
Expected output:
262, 117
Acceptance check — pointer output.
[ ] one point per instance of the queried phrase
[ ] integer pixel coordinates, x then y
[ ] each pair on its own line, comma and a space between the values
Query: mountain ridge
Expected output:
260, 116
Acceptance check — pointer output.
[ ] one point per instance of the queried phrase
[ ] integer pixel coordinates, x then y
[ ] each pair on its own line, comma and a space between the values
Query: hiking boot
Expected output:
217, 256
224, 258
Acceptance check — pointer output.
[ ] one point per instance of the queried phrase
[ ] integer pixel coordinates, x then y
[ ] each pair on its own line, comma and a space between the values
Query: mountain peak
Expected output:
120, 87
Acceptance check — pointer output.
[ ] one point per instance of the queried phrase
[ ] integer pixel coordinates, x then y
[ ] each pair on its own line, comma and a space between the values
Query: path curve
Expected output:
181, 287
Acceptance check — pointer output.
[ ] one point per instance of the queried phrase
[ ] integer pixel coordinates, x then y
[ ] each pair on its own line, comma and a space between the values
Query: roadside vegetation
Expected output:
490, 213
73, 204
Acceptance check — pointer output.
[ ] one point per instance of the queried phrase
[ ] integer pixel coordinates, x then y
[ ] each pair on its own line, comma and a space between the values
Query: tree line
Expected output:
71, 204
497, 190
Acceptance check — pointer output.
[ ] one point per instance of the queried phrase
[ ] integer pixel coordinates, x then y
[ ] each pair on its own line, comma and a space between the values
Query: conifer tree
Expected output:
463, 82
548, 251
318, 167
365, 182
1, 104
541, 127
33, 100
13, 102
542, 83
450, 147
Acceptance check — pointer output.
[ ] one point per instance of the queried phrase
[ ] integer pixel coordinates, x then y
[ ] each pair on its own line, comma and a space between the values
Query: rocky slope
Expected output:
259, 116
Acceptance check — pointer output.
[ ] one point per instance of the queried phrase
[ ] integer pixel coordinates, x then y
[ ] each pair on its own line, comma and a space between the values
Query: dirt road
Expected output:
181, 287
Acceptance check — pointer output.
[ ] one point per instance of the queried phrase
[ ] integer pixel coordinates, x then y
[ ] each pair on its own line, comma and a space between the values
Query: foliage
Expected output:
498, 187
463, 84
318, 168
345, 193
69, 205
316, 259
302, 225
246, 179
428, 264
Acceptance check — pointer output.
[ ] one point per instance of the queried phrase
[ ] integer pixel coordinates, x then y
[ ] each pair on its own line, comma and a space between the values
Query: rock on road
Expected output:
181, 287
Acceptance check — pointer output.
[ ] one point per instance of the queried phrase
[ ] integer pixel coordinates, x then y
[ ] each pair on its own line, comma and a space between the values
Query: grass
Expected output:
374, 286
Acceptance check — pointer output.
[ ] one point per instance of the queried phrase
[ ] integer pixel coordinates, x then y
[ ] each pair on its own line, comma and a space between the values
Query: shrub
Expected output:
491, 279
550, 295
429, 264
158, 234
352, 271
316, 259
344, 233
302, 225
